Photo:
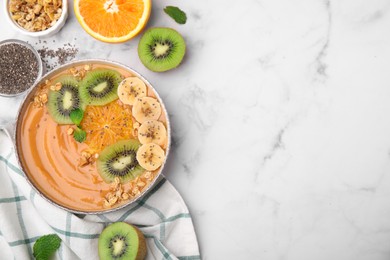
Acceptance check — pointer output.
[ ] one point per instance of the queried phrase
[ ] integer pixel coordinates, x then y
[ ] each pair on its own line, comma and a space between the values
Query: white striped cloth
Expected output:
161, 215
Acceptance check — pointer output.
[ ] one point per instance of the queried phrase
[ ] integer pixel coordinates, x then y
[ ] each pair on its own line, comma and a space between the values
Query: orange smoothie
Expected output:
51, 158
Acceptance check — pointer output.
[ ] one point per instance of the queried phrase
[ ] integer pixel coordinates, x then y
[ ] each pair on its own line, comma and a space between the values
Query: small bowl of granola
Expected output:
37, 18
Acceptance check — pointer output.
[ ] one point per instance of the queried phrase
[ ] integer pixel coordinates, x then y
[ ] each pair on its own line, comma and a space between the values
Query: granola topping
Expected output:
40, 98
86, 158
79, 74
117, 194
35, 15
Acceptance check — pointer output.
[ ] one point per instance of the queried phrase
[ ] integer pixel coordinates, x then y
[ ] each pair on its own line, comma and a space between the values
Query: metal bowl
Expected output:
15, 135
37, 56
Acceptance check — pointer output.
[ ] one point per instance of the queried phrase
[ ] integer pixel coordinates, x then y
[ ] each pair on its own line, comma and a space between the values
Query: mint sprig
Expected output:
76, 116
176, 14
46, 246
79, 135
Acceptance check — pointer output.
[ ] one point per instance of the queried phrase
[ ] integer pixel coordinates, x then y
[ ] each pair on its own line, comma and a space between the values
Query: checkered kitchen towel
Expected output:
25, 216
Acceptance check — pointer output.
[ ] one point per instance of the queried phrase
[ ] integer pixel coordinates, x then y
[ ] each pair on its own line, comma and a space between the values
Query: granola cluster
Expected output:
117, 194
56, 87
35, 15
87, 157
40, 97
79, 74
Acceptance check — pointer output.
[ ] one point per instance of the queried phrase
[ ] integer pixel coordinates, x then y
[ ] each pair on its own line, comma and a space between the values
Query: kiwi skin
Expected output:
142, 249
129, 233
161, 35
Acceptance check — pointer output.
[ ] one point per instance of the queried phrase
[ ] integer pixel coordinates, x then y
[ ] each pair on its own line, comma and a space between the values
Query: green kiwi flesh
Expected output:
161, 49
121, 241
99, 87
62, 102
119, 160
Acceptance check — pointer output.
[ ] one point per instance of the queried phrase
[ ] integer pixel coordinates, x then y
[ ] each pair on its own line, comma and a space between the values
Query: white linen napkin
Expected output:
161, 215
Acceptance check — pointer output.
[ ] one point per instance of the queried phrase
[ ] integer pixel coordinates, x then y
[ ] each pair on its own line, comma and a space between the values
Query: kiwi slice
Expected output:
121, 241
119, 160
62, 102
99, 87
161, 49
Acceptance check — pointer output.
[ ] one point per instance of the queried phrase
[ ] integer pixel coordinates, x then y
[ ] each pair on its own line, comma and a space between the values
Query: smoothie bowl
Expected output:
92, 136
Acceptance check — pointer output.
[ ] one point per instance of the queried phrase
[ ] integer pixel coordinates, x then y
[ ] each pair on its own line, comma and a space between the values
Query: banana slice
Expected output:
150, 156
152, 131
146, 108
130, 89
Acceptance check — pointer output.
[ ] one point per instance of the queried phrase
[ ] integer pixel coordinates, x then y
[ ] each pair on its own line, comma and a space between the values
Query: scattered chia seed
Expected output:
18, 68
55, 57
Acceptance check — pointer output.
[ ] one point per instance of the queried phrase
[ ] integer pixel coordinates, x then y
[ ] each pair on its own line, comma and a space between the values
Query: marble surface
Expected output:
281, 126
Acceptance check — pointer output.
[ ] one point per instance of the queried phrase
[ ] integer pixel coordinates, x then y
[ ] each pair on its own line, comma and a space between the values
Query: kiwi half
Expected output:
119, 160
99, 87
62, 102
121, 241
161, 49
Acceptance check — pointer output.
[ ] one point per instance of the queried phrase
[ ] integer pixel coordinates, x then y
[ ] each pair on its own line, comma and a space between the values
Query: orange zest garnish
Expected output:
106, 125
112, 20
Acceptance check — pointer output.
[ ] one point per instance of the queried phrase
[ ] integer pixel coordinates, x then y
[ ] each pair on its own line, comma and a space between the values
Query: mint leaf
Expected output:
176, 14
79, 135
45, 246
76, 116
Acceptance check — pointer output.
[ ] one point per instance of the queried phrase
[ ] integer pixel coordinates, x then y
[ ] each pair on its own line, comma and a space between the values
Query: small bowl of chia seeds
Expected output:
20, 67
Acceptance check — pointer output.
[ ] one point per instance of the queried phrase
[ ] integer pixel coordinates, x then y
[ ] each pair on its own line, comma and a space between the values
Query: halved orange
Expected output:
112, 20
106, 125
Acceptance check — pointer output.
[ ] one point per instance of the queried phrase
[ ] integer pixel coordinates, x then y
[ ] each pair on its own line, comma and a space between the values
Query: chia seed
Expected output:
55, 57
18, 68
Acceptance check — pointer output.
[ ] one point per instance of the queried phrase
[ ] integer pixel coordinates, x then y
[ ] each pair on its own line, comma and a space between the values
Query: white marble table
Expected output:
281, 124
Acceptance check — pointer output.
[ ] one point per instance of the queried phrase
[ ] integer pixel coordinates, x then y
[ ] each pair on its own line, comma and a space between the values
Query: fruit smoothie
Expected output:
66, 170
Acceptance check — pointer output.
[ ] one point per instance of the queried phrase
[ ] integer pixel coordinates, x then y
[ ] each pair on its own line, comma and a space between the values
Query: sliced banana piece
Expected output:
130, 89
152, 131
146, 108
150, 156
